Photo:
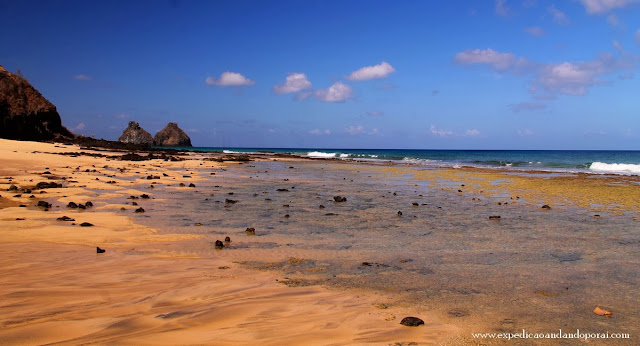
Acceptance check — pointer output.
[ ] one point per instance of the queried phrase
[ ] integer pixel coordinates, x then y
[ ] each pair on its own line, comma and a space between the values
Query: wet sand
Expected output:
342, 274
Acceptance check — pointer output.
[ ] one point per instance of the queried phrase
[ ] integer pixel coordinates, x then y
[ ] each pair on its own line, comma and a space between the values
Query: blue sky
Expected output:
507, 74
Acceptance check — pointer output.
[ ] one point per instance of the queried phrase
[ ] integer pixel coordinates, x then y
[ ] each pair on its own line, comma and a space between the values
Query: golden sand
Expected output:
56, 289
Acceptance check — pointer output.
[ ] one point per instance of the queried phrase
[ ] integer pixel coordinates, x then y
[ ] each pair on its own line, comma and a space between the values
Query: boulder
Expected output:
171, 136
134, 134
25, 114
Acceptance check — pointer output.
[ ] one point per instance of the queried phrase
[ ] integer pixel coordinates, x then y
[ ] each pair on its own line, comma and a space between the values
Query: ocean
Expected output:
584, 161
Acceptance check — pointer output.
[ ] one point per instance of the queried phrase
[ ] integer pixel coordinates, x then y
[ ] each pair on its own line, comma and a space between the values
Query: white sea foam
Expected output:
320, 154
230, 152
626, 168
342, 156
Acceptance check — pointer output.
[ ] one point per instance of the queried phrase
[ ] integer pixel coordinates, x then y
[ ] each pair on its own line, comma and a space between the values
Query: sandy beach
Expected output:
407, 242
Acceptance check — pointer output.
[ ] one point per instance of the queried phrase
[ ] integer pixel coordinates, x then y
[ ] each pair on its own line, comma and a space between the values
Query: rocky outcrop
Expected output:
171, 136
135, 134
25, 114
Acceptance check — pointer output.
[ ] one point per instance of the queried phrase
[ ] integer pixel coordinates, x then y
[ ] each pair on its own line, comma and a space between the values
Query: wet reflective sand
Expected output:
535, 269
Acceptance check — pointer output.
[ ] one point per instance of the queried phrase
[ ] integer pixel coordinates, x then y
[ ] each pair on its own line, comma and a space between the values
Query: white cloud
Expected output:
379, 71
637, 37
354, 130
604, 6
375, 114
230, 79
338, 92
472, 132
80, 127
525, 133
527, 106
318, 132
502, 9
359, 129
535, 31
439, 132
499, 61
570, 78
295, 82
613, 19
83, 77
121, 116
558, 16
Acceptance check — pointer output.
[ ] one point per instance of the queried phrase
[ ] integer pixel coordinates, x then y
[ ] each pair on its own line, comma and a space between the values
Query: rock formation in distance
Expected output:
135, 134
171, 136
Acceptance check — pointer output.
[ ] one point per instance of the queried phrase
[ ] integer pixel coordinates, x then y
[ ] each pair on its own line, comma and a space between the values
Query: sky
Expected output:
504, 74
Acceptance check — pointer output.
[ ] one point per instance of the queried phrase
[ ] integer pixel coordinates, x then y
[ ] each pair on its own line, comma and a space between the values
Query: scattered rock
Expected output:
494, 217
13, 188
546, 206
81, 206
44, 204
89, 204
399, 213
144, 196
86, 224
230, 201
602, 312
415, 204
65, 218
283, 190
72, 205
219, 244
192, 185
411, 321
227, 239
339, 199
47, 185
139, 210
321, 206
99, 250
250, 231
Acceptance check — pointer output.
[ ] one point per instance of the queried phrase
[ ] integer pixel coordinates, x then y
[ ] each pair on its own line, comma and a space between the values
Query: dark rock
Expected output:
25, 114
182, 185
88, 204
26, 190
411, 321
192, 185
494, 217
139, 210
283, 190
227, 239
46, 172
219, 244
286, 216
13, 188
250, 231
134, 203
415, 204
339, 199
399, 213
321, 206
546, 207
144, 196
44, 204
65, 218
171, 136
99, 250
72, 205
18, 195
86, 224
230, 201
134, 134
150, 177
47, 185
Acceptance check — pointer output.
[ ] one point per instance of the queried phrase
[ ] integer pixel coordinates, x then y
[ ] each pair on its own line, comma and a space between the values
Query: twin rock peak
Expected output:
170, 136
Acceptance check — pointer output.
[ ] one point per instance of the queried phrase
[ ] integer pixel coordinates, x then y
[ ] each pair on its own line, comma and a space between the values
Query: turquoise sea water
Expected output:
589, 161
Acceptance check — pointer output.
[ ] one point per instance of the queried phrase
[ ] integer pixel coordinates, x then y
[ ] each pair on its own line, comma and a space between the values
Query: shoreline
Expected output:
287, 266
